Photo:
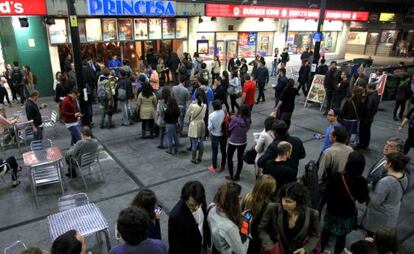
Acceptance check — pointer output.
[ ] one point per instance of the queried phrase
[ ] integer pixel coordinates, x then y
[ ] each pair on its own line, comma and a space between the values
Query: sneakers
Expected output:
212, 169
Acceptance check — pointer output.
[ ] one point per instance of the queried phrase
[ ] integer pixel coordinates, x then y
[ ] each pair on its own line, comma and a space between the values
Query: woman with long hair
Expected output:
171, 115
290, 225
147, 200
262, 143
343, 190
351, 112
216, 67
238, 127
196, 129
234, 89
28, 77
161, 107
224, 219
286, 103
146, 104
256, 201
385, 199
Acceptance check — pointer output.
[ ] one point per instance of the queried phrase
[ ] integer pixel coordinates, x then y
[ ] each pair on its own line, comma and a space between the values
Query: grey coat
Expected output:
385, 202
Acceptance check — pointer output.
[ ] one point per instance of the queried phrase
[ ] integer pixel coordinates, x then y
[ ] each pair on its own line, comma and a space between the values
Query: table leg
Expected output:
108, 243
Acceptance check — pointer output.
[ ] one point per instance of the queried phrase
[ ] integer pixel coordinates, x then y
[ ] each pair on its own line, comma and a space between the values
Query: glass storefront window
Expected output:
181, 28
265, 43
155, 29
232, 36
329, 41
210, 38
357, 38
389, 37
297, 42
82, 30
247, 45
168, 28
141, 29
93, 30
58, 32
125, 29
372, 38
109, 29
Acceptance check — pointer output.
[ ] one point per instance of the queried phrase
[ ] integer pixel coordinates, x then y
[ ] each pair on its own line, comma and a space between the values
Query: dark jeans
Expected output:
365, 133
286, 116
338, 101
13, 167
162, 135
226, 104
72, 165
13, 89
38, 135
75, 134
230, 152
261, 86
399, 104
302, 85
3, 93
340, 241
147, 125
233, 102
329, 99
215, 142
20, 91
409, 142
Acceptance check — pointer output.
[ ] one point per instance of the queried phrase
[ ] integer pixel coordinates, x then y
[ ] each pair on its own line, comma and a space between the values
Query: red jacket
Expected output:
68, 110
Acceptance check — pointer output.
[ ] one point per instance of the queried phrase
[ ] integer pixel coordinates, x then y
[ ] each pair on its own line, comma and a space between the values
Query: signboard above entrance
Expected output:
131, 8
228, 10
23, 7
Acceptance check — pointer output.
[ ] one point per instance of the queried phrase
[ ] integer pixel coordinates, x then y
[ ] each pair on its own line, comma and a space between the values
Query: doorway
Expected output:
225, 51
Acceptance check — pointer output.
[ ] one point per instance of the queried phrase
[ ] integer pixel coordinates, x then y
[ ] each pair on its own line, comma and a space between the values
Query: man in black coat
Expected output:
331, 81
184, 236
370, 109
298, 151
281, 84
172, 63
233, 63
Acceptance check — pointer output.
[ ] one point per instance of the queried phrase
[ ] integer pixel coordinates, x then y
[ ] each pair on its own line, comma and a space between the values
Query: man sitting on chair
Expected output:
86, 145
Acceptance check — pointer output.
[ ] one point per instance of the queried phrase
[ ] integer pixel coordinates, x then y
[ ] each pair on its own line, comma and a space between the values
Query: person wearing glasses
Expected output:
187, 226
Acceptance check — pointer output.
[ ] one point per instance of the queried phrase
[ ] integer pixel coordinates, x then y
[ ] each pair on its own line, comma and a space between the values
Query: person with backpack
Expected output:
284, 58
218, 122
197, 63
204, 73
123, 92
18, 81
106, 84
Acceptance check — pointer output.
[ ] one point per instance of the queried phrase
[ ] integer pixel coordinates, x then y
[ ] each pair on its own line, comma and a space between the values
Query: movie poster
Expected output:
155, 29
141, 29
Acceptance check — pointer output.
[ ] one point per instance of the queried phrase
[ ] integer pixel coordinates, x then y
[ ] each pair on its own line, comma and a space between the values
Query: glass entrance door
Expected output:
225, 51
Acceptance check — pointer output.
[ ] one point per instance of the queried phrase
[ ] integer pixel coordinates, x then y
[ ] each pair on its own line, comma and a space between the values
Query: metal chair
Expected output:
27, 135
45, 175
71, 201
37, 145
50, 122
16, 247
88, 160
4, 169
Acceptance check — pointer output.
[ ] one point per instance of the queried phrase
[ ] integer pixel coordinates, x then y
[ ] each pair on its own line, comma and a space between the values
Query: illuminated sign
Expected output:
387, 17
228, 10
131, 8
23, 7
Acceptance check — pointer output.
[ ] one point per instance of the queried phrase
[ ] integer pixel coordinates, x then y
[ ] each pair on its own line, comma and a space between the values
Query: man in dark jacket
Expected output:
172, 63
330, 84
298, 151
322, 68
262, 78
33, 113
123, 92
370, 109
305, 55
303, 79
233, 63
281, 84
184, 232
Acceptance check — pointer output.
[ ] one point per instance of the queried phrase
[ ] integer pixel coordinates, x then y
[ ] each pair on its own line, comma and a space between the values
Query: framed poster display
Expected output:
93, 30
109, 29
141, 29
317, 90
247, 44
357, 38
168, 28
58, 32
181, 28
202, 47
155, 29
82, 30
125, 29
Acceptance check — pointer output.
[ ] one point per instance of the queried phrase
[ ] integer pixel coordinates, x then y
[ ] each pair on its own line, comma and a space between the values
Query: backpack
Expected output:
17, 76
101, 91
225, 125
34, 79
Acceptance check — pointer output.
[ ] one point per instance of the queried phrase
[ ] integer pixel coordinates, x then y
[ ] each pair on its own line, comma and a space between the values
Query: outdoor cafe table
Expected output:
50, 155
86, 219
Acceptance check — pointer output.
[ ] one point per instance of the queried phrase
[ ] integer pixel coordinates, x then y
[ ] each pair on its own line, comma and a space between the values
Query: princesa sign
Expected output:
131, 8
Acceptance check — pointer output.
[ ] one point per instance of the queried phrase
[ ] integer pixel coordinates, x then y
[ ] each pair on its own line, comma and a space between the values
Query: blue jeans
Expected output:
38, 135
215, 142
197, 144
274, 68
75, 134
172, 136
125, 112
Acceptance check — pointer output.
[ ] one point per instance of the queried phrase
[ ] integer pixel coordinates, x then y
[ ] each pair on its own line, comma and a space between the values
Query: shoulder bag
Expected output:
353, 200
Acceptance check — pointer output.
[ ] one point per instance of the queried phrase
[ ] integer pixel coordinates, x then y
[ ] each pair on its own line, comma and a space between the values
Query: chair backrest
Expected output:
36, 145
88, 159
28, 132
45, 174
71, 201
53, 117
16, 247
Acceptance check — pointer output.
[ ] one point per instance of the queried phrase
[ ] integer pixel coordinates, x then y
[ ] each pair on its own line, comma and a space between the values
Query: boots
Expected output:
200, 154
194, 156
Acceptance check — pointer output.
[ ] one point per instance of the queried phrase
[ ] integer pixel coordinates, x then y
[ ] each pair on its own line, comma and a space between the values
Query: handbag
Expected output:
250, 156
277, 248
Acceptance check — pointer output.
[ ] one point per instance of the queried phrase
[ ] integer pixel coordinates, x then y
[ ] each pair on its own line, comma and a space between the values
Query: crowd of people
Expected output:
172, 97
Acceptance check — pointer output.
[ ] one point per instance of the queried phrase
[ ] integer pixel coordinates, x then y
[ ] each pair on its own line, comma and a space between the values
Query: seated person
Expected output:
86, 145
5, 126
13, 166
132, 225
71, 242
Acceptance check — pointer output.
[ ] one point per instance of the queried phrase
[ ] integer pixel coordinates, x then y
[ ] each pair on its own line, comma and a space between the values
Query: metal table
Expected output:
86, 219
41, 157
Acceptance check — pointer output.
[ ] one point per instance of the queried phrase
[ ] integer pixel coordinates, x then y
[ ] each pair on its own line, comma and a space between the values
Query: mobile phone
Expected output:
158, 209
245, 225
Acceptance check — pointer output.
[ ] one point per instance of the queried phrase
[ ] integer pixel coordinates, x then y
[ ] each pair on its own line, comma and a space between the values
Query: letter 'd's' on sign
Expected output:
131, 7
23, 7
